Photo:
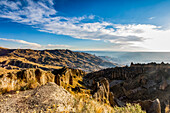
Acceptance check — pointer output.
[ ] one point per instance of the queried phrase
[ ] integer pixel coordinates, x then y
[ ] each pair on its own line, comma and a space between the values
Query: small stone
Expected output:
9, 95
54, 105
17, 92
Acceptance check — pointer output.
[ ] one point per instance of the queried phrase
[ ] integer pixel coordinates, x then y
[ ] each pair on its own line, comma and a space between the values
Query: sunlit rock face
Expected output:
66, 76
32, 78
102, 90
25, 79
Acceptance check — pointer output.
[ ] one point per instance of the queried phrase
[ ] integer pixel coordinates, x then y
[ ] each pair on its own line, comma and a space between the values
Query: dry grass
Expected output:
85, 104
130, 108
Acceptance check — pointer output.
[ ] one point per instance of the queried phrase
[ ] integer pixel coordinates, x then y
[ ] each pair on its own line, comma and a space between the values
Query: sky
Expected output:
86, 25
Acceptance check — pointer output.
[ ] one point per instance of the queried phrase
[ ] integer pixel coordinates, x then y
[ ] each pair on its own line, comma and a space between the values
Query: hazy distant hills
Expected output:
125, 58
61, 58
110, 59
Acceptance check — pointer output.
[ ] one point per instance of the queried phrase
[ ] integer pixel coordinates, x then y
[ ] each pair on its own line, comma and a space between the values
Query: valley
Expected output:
26, 72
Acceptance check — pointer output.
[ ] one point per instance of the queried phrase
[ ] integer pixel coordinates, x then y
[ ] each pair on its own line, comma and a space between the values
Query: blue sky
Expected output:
103, 25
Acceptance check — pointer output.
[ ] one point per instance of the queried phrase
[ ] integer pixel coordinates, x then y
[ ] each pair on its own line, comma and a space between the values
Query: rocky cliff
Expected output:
36, 90
140, 83
24, 79
31, 78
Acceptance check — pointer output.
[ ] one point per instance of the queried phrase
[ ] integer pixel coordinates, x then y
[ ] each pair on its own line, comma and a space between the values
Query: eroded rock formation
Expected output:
25, 79
31, 78
66, 76
102, 91
146, 82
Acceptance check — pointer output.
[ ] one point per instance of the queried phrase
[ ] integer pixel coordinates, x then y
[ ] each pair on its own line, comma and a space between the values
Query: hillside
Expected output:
67, 58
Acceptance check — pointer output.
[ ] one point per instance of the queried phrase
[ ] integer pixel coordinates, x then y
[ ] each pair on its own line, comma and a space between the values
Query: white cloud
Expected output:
150, 18
42, 15
56, 46
22, 42
35, 45
12, 5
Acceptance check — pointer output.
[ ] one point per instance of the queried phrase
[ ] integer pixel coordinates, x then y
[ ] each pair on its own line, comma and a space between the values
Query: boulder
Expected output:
44, 99
119, 103
155, 107
151, 106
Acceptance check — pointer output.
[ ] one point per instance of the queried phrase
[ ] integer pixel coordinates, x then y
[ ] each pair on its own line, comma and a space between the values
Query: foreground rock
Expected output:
150, 106
45, 98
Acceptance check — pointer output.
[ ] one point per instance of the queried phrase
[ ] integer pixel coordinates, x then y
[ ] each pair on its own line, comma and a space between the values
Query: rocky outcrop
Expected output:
102, 90
117, 73
150, 106
66, 76
31, 78
25, 79
137, 82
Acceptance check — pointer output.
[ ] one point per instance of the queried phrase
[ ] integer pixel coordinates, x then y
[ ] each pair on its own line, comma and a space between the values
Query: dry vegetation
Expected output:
84, 104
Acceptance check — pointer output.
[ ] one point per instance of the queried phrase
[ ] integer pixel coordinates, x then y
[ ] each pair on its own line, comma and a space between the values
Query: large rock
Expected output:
65, 76
151, 106
40, 100
102, 91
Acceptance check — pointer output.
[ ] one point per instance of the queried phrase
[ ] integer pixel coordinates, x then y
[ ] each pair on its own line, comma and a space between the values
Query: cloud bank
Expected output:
35, 45
42, 15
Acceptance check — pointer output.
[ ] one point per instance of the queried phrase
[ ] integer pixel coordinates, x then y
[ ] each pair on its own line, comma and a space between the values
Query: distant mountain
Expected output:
67, 58
3, 48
